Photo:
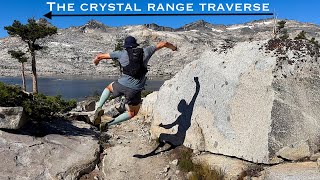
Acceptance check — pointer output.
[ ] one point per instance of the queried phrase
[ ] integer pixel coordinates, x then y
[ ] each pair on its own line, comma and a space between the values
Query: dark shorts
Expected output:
133, 97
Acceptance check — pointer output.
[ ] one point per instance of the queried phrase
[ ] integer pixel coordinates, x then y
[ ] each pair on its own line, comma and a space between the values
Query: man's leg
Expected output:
133, 99
132, 111
105, 95
103, 98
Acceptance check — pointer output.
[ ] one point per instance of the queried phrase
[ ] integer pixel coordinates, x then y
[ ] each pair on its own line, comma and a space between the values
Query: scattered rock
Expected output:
232, 168
314, 157
85, 106
295, 151
292, 171
114, 107
189, 175
166, 169
174, 162
12, 117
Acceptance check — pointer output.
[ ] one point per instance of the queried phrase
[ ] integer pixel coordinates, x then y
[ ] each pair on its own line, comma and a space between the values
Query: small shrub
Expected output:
203, 172
313, 41
10, 95
37, 107
199, 171
42, 107
301, 35
185, 162
284, 34
252, 171
281, 24
145, 93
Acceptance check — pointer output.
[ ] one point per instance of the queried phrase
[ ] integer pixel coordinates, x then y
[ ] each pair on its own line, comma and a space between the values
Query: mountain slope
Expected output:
71, 50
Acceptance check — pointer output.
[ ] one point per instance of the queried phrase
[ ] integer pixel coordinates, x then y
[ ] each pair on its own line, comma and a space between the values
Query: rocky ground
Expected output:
133, 138
72, 149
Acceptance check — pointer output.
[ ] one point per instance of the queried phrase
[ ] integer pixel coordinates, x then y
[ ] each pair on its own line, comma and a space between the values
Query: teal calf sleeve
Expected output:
104, 96
122, 117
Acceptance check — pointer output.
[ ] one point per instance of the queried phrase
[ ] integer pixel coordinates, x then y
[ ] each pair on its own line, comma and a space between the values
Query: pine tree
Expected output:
30, 33
118, 47
301, 35
20, 56
283, 32
281, 25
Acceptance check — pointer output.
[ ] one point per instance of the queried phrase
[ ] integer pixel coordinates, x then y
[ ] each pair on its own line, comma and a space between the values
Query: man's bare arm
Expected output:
163, 44
100, 57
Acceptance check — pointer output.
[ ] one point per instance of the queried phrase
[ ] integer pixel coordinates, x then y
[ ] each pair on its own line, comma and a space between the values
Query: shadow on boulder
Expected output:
183, 122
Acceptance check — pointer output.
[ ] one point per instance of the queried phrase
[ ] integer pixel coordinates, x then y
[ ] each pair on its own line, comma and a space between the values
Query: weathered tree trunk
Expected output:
34, 72
23, 78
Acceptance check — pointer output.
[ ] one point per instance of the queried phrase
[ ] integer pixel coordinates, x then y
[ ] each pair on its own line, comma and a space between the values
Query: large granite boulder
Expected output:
12, 117
147, 106
249, 102
60, 150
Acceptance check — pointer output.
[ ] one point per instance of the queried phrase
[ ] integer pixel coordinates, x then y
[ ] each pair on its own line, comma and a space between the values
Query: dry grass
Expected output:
199, 171
203, 172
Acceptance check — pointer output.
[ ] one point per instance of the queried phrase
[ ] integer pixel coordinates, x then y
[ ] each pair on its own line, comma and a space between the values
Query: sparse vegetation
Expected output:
185, 162
315, 42
301, 35
42, 107
228, 44
281, 25
203, 172
282, 31
118, 47
38, 106
199, 171
252, 171
284, 34
145, 93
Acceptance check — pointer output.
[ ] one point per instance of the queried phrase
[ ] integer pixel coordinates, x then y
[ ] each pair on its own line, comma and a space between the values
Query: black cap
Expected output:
130, 42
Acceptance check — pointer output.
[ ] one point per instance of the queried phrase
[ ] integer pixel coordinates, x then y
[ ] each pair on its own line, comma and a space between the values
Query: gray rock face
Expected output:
65, 151
240, 107
12, 117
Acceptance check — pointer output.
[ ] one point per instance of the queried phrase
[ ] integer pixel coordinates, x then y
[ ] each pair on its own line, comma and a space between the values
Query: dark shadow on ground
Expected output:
183, 122
57, 126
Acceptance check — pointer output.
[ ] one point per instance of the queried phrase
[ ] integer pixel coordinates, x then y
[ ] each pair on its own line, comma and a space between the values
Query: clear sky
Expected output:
304, 11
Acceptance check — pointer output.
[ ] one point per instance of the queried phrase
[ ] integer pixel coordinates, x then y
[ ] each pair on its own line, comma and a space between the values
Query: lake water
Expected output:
74, 88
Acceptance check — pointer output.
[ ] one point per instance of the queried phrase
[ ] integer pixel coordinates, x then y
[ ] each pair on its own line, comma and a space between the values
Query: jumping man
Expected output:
134, 62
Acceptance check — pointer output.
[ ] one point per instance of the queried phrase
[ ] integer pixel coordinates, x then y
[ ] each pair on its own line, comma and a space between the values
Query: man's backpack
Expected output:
135, 68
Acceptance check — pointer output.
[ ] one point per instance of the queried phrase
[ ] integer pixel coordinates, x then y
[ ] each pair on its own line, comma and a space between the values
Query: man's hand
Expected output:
161, 125
99, 57
96, 60
163, 44
196, 80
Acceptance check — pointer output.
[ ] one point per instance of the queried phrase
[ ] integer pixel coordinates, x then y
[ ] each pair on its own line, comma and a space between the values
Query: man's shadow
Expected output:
183, 122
